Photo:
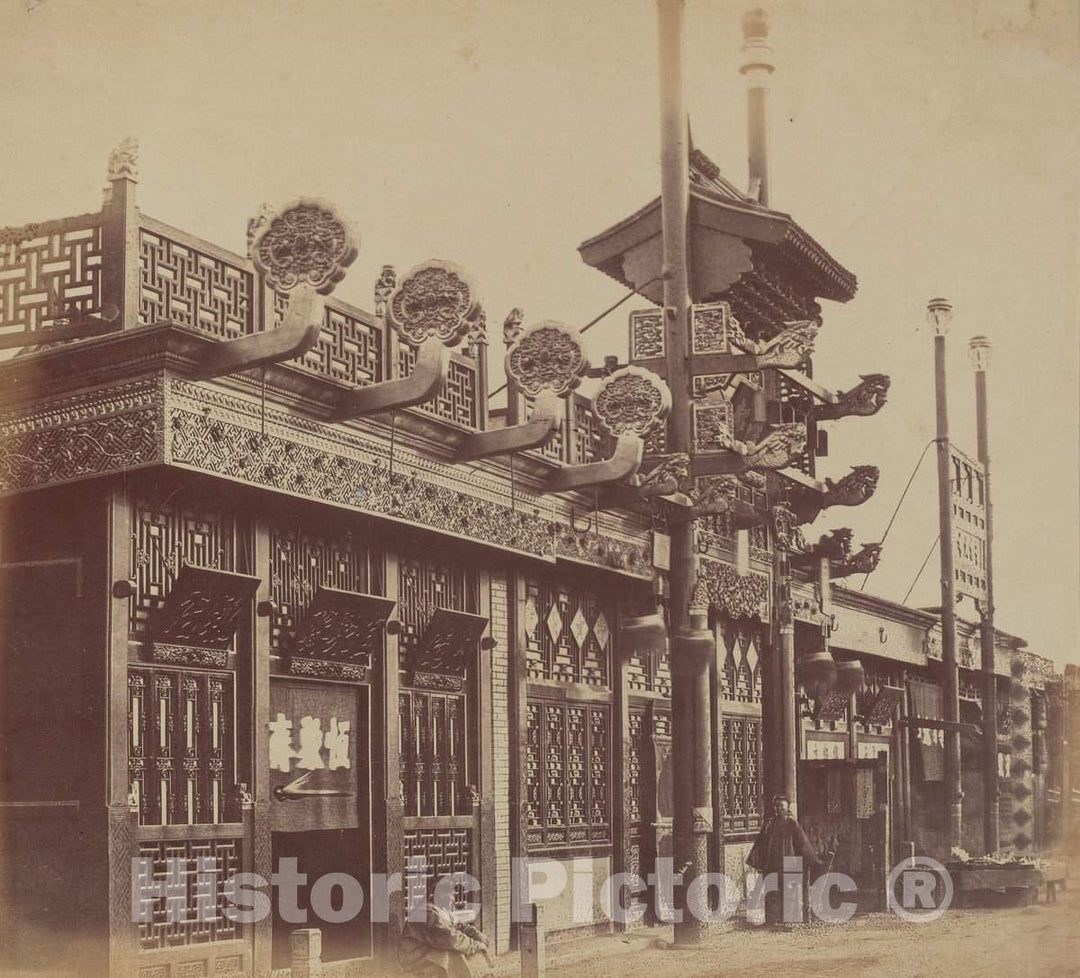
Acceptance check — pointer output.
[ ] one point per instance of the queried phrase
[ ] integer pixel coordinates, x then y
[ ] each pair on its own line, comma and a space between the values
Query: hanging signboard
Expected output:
316, 751
967, 480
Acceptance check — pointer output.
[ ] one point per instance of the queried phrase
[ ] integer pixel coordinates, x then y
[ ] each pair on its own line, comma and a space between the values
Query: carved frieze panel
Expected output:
709, 327
646, 334
714, 424
732, 594
75, 438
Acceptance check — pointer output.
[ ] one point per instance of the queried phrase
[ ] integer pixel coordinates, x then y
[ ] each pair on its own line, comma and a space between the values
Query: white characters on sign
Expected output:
337, 743
312, 743
281, 752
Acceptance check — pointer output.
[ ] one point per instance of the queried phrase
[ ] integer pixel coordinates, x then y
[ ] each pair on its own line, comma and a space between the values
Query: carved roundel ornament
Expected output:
436, 298
306, 243
632, 401
547, 356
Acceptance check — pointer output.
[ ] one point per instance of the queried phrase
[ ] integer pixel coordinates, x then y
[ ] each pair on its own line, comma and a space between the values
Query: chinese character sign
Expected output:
317, 754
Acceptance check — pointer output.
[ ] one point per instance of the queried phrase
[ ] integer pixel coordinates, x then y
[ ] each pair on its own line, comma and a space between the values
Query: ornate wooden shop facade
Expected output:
276, 585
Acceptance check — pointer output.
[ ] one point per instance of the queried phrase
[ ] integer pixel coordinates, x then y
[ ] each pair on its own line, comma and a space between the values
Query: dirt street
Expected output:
1037, 941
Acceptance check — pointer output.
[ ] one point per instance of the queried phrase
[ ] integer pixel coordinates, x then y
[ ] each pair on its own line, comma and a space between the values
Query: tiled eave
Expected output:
821, 274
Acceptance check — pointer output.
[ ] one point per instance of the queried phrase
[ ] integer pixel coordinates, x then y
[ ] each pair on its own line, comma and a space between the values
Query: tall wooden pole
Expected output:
979, 349
939, 312
690, 693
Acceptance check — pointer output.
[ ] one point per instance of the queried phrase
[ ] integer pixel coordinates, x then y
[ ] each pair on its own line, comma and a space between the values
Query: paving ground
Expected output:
1041, 941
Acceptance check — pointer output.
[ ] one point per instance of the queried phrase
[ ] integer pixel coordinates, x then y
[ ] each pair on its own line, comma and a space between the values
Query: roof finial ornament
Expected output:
512, 325
124, 161
384, 287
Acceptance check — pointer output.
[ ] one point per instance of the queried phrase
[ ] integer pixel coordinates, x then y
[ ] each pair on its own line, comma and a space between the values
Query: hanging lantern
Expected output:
850, 677
817, 671
645, 633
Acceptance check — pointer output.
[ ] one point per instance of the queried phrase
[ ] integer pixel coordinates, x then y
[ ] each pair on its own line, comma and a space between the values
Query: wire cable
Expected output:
900, 502
926, 560
610, 309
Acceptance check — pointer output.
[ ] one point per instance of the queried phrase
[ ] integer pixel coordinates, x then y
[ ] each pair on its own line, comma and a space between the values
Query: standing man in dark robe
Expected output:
779, 837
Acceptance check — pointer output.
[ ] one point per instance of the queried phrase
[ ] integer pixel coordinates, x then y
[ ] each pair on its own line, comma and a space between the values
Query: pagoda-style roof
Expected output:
758, 259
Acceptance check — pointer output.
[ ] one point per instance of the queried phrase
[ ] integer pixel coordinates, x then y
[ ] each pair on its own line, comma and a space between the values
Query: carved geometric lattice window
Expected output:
302, 561
567, 634
741, 677
424, 587
164, 538
432, 855
180, 746
194, 880
568, 774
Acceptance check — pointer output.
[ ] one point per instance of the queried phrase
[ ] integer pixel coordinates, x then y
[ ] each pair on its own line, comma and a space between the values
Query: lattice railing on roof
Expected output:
50, 273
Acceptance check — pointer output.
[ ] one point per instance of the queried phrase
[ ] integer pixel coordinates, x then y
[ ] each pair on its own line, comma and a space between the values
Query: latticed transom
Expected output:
567, 634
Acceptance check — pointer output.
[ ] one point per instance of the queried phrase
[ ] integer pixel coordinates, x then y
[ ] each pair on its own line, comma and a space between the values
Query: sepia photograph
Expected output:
540, 489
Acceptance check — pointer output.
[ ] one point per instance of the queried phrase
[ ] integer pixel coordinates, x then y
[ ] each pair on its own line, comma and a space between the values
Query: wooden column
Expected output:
259, 701
517, 696
387, 811
485, 842
123, 823
620, 757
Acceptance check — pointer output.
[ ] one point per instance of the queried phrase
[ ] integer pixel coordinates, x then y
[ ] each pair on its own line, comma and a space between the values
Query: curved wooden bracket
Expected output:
623, 463
425, 381
548, 412
292, 339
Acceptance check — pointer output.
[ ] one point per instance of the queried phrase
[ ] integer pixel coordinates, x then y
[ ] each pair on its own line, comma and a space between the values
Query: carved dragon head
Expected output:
869, 396
667, 476
864, 562
854, 488
715, 495
835, 545
777, 448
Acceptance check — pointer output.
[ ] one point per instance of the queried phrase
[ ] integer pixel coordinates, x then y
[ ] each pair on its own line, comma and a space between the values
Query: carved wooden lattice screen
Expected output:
195, 286
180, 746
567, 774
351, 346
434, 759
303, 560
194, 877
741, 677
567, 634
164, 538
742, 775
437, 736
50, 273
457, 400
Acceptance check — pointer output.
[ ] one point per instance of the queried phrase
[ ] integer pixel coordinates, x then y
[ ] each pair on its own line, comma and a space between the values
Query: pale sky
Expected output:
929, 145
